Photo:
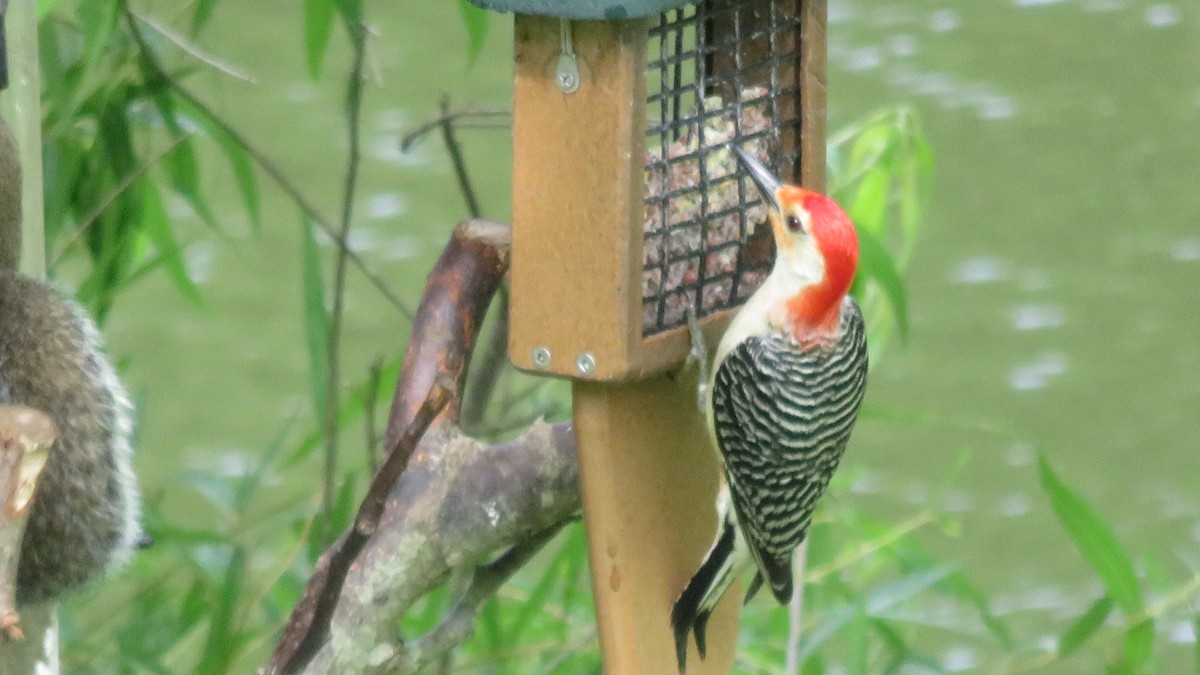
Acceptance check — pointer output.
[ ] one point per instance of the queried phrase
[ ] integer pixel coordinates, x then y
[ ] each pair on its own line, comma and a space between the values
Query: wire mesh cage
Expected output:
628, 204
719, 73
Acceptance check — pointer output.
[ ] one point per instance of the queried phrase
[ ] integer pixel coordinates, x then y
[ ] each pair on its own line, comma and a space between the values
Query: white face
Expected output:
798, 262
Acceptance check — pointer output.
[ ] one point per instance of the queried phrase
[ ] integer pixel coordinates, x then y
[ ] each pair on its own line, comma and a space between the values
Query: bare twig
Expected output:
494, 355
260, 158
333, 342
412, 137
796, 610
491, 365
374, 376
456, 159
194, 51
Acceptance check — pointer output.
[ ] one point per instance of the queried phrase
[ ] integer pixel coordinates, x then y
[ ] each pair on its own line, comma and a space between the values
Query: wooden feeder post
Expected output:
628, 207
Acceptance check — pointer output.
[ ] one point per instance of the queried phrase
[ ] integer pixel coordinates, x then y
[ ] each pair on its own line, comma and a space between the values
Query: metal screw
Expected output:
567, 73
567, 82
541, 357
585, 363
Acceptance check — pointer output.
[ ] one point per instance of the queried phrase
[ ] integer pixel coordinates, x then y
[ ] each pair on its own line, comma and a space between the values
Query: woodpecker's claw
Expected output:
698, 354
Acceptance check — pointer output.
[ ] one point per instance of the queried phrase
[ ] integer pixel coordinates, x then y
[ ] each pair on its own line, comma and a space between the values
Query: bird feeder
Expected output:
628, 208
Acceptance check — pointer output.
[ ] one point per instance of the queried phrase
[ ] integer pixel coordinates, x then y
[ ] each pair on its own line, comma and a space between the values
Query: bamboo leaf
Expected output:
475, 20
201, 15
876, 263
1096, 542
857, 645
157, 225
1196, 641
316, 319
219, 651
886, 596
239, 162
318, 27
1139, 644
831, 622
351, 411
44, 7
536, 601
870, 201
1085, 626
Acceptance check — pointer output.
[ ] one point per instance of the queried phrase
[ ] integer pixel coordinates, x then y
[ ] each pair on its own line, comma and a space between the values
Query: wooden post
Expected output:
649, 481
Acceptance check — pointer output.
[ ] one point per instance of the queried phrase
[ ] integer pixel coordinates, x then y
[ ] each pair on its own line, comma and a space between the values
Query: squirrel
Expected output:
85, 514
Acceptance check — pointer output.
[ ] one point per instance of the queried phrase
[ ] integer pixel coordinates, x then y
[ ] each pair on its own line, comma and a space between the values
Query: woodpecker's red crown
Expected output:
816, 251
818, 305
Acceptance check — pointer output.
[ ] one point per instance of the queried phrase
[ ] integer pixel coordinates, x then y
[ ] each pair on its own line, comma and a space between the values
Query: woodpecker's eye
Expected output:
793, 223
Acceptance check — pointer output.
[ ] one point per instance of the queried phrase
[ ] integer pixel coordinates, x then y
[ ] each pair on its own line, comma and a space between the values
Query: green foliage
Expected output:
880, 170
475, 21
1104, 553
117, 140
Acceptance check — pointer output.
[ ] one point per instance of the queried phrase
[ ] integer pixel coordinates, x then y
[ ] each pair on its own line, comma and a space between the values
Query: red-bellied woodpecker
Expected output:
788, 377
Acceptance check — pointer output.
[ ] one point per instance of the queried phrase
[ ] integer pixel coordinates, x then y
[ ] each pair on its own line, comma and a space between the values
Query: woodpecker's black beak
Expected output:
766, 181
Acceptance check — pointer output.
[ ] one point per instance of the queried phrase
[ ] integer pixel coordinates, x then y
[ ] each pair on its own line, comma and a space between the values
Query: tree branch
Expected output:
308, 626
458, 501
354, 92
448, 499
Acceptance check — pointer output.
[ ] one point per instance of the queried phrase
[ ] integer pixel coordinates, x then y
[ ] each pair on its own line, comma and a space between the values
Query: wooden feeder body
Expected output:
598, 291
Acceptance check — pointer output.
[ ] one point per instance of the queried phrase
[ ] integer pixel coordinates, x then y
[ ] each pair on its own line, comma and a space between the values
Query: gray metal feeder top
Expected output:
583, 9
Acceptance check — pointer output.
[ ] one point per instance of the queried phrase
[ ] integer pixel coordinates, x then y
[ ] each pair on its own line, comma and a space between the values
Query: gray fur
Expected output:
85, 512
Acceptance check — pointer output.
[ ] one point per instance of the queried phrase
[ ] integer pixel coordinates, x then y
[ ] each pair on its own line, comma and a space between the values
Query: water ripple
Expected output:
1037, 373
1037, 317
944, 21
980, 270
1159, 16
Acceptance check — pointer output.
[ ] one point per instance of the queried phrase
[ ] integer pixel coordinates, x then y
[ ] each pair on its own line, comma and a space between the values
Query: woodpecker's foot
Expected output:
699, 354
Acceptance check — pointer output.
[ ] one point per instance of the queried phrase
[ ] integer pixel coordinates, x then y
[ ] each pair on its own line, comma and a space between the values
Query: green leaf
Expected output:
248, 485
1085, 626
215, 491
831, 622
316, 320
239, 161
870, 200
1196, 641
318, 27
536, 602
886, 596
1139, 644
219, 651
857, 645
158, 226
1096, 542
475, 20
876, 263
201, 15
351, 411
44, 7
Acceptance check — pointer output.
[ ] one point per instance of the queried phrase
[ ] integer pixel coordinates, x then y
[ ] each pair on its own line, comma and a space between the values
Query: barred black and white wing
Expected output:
782, 416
